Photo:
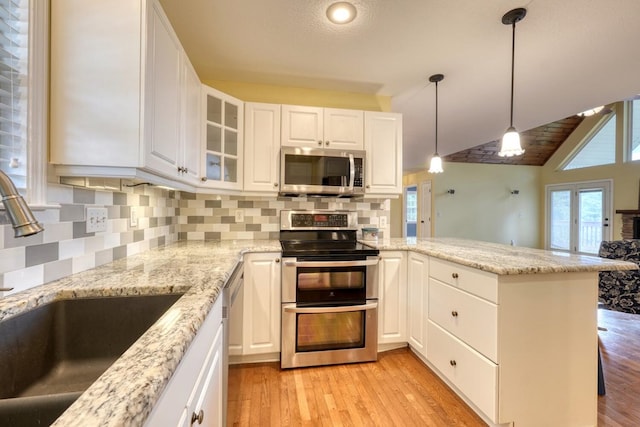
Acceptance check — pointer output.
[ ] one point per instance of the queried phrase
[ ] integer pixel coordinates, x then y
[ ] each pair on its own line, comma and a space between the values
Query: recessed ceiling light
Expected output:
341, 12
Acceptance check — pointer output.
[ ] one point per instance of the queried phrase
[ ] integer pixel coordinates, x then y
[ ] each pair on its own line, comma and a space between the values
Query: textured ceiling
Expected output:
570, 55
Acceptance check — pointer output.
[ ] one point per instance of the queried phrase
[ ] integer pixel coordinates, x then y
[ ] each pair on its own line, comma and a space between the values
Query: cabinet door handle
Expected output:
326, 143
452, 363
454, 313
275, 184
277, 260
199, 417
454, 275
203, 179
320, 143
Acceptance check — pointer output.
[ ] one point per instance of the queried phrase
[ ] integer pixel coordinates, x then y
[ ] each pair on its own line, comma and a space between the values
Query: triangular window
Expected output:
599, 148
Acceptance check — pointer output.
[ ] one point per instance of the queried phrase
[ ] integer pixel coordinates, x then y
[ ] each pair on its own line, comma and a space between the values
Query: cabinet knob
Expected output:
185, 170
277, 260
275, 184
368, 186
454, 313
199, 417
454, 275
452, 363
203, 179
320, 143
326, 143
180, 169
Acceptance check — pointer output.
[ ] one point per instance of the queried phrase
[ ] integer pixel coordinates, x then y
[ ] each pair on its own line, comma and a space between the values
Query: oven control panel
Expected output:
300, 220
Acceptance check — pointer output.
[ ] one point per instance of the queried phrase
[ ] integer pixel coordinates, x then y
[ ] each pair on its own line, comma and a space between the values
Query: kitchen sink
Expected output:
50, 355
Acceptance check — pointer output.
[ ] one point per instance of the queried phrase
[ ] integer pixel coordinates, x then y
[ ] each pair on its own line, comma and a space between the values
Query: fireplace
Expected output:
631, 222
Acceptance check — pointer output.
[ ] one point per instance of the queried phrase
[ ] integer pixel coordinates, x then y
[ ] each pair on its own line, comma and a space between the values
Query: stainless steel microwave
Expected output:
321, 172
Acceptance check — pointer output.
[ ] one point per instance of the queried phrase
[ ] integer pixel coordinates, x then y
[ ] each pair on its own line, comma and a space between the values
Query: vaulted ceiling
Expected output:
571, 55
539, 144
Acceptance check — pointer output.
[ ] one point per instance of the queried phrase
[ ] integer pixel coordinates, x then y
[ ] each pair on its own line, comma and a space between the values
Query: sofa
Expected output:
620, 290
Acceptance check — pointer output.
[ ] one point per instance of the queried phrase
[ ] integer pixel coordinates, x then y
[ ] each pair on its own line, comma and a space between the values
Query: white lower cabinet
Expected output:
195, 392
261, 304
392, 297
417, 301
472, 373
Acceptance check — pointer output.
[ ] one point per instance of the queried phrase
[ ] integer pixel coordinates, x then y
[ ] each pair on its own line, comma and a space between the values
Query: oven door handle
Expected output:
332, 263
339, 309
352, 172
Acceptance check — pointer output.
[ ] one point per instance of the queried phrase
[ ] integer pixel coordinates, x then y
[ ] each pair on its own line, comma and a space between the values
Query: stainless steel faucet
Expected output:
22, 219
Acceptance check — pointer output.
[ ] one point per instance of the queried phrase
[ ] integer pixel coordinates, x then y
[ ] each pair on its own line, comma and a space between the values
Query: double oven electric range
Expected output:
329, 290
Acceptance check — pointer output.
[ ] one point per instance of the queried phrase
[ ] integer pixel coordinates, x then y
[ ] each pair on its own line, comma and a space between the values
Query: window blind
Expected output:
14, 56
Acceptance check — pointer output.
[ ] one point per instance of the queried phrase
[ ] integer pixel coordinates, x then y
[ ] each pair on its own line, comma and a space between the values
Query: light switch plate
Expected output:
239, 216
96, 220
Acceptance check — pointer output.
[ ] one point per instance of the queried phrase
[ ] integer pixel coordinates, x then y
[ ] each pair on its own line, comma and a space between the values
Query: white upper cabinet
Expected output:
223, 140
317, 127
117, 94
262, 147
192, 123
162, 115
383, 144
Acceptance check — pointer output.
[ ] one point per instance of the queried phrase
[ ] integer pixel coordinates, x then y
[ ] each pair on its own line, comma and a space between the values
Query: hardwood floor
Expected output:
399, 390
620, 350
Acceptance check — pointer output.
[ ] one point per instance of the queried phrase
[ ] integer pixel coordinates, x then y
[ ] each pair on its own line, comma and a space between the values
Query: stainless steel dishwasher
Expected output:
229, 294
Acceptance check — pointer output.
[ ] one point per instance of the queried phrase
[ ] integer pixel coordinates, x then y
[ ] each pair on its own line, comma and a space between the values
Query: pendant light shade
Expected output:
510, 145
436, 162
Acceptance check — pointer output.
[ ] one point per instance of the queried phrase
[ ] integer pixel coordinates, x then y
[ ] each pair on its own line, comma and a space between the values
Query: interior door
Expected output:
425, 209
578, 216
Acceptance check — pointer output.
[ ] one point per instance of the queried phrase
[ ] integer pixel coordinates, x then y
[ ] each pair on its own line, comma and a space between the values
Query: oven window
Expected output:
311, 279
316, 170
330, 331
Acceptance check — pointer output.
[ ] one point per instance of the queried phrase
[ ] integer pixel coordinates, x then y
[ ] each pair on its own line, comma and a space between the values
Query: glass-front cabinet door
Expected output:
222, 153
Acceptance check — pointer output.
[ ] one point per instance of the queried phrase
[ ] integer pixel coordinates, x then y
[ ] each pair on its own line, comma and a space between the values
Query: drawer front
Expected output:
474, 375
471, 319
477, 282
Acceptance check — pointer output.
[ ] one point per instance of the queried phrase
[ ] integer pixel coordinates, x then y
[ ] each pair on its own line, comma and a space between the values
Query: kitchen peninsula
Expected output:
541, 303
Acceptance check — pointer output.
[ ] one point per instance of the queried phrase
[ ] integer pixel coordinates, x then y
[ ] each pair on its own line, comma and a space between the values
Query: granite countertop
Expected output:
126, 392
502, 259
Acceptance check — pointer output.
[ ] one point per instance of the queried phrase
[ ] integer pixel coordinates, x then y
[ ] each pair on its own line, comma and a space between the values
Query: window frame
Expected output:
599, 125
628, 139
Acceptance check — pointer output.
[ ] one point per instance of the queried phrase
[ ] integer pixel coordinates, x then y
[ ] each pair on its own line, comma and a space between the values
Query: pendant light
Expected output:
436, 162
511, 140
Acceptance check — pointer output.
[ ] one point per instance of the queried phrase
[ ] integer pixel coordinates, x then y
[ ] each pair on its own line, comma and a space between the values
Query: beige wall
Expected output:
253, 92
482, 207
625, 175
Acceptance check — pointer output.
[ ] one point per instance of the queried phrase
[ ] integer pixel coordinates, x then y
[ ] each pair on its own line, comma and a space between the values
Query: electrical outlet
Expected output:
96, 220
383, 222
239, 216
133, 218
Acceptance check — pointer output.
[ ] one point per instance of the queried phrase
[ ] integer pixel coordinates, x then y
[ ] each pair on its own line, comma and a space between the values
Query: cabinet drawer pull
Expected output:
454, 275
454, 313
199, 417
452, 363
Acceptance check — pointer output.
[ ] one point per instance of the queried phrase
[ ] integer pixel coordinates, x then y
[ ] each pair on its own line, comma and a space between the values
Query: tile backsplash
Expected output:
163, 216
207, 217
